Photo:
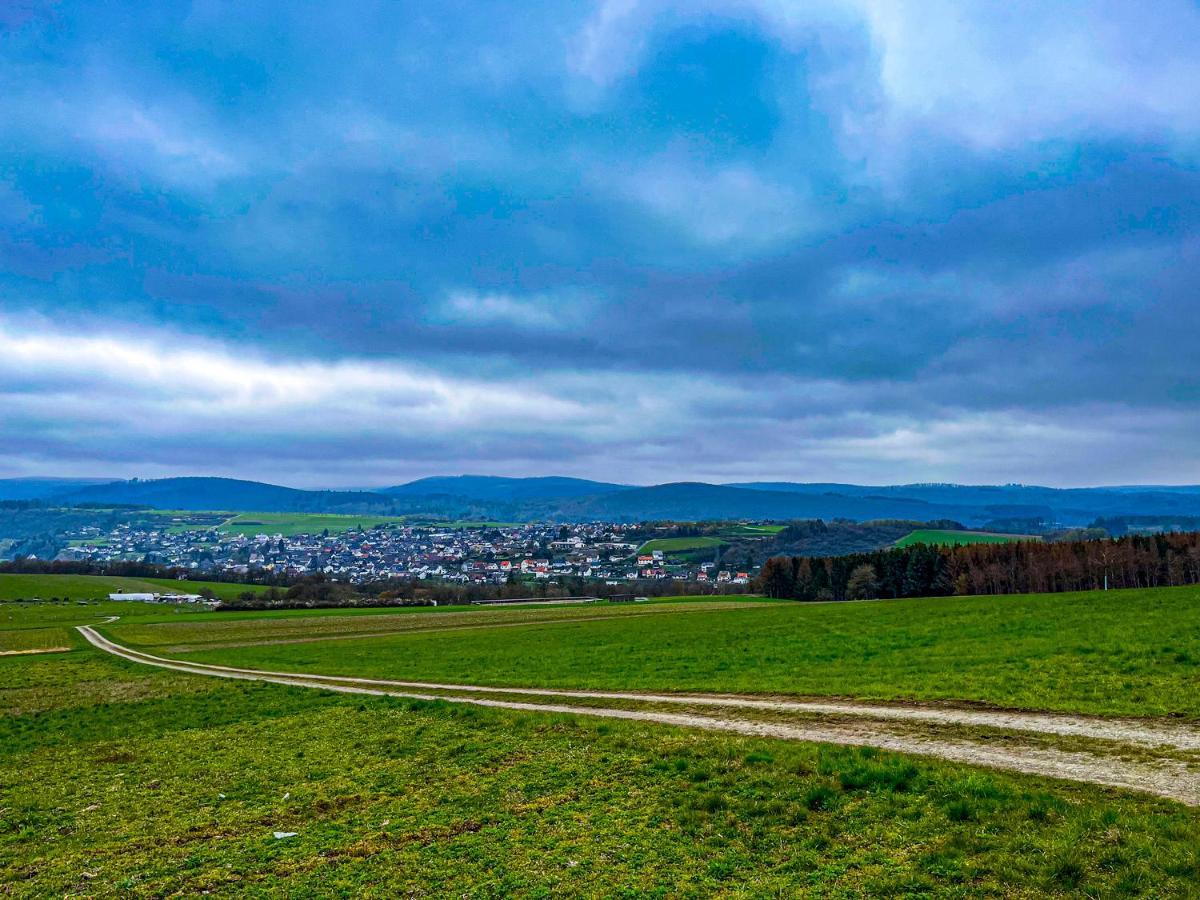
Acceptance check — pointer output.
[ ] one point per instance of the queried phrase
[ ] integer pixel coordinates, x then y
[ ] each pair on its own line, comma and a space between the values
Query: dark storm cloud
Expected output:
771, 241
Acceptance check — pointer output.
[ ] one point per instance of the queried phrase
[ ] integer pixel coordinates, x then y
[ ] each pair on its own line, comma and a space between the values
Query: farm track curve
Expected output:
848, 723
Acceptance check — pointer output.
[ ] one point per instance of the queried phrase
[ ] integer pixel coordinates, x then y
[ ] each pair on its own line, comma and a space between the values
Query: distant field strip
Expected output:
1164, 776
948, 538
681, 544
291, 524
89, 587
752, 530
216, 634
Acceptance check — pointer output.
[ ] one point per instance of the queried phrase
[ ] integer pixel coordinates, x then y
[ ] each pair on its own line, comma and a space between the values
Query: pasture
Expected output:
1124, 652
947, 538
291, 524
94, 587
695, 546
754, 530
121, 779
681, 544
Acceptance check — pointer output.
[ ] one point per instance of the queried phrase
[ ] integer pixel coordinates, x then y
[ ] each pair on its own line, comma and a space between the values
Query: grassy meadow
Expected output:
120, 779
301, 523
693, 546
291, 524
94, 587
947, 538
47, 625
219, 631
755, 530
1120, 652
681, 544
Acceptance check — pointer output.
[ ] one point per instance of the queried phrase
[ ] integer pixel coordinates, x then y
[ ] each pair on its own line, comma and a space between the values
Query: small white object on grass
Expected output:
280, 835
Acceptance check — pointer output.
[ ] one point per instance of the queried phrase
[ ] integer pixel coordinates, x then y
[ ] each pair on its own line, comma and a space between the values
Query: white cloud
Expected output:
151, 382
991, 75
731, 207
998, 75
155, 403
121, 127
538, 312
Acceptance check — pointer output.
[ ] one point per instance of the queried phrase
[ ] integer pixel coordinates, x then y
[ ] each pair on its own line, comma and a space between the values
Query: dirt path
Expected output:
1128, 731
874, 725
33, 652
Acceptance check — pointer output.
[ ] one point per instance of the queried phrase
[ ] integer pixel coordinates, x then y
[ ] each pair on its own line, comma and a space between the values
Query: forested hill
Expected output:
224, 493
1001, 507
505, 490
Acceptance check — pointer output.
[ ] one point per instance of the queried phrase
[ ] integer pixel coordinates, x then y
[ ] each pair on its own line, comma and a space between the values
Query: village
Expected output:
479, 555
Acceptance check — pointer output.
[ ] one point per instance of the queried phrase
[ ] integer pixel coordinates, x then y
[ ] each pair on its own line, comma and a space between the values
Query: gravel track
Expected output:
1163, 777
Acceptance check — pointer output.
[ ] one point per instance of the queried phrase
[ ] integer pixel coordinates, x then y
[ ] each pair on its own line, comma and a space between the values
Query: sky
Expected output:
876, 241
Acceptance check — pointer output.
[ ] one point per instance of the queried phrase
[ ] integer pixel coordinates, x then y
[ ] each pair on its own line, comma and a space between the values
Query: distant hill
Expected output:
42, 488
1070, 505
696, 500
489, 487
480, 497
222, 493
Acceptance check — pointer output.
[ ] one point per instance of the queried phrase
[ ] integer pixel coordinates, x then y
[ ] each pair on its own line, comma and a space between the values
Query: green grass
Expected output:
291, 524
176, 634
681, 544
92, 587
28, 625
1122, 652
755, 530
301, 523
119, 779
35, 639
465, 523
946, 538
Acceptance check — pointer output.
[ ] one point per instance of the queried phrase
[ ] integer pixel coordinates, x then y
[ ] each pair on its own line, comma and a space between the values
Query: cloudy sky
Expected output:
350, 245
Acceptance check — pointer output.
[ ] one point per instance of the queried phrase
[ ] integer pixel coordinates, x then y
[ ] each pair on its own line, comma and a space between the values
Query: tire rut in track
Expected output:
1164, 777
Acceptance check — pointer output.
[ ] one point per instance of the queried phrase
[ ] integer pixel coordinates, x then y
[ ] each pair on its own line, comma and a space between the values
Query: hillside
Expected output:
42, 488
695, 500
222, 493
1016, 508
1071, 505
487, 487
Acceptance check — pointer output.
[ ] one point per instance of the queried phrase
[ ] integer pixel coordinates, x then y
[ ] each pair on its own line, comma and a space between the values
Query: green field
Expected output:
92, 587
218, 630
693, 545
680, 544
755, 530
946, 538
291, 524
1125, 652
301, 523
120, 779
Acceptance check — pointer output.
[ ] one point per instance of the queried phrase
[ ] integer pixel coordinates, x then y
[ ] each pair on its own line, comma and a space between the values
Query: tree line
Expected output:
313, 591
136, 569
1019, 567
